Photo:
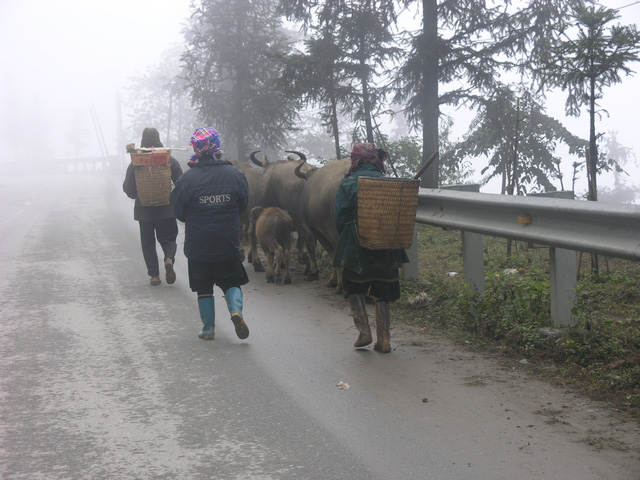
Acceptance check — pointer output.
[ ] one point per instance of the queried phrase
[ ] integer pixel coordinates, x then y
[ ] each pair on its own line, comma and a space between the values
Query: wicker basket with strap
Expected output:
154, 185
387, 212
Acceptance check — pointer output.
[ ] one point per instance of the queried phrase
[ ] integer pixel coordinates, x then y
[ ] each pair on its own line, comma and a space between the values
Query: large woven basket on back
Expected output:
154, 185
387, 212
153, 177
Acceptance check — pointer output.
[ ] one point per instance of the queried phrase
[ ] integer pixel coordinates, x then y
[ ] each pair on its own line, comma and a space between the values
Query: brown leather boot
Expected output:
382, 327
359, 312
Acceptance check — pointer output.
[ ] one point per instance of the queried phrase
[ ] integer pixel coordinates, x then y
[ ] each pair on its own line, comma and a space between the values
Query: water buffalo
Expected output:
318, 201
278, 186
273, 227
253, 177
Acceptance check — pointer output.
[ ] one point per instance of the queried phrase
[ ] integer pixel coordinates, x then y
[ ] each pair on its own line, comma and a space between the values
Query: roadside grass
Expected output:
599, 357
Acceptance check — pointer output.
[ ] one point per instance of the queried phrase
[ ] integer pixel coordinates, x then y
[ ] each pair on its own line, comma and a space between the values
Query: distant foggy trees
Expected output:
157, 98
233, 64
618, 157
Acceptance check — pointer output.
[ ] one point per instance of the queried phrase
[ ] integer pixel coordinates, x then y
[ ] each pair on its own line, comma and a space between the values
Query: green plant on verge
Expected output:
512, 309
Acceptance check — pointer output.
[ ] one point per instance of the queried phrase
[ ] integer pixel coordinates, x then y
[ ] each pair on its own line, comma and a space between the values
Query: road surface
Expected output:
103, 375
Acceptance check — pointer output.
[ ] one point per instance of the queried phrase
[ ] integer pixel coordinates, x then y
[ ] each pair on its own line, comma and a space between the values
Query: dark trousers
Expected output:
166, 231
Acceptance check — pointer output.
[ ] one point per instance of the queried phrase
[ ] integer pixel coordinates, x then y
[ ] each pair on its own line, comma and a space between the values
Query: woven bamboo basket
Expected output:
387, 212
160, 157
154, 185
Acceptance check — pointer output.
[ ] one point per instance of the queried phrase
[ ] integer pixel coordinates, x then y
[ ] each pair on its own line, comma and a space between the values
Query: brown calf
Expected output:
272, 227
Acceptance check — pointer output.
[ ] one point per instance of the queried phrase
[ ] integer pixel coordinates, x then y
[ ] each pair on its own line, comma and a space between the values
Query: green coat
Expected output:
372, 264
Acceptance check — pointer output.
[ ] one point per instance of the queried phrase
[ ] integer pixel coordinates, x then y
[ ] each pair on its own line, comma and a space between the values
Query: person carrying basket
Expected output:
156, 221
366, 272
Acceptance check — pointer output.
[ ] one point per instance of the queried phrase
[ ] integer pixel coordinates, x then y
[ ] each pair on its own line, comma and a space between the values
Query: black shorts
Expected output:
203, 276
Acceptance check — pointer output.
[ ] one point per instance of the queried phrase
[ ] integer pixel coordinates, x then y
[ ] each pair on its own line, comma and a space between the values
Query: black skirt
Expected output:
203, 275
385, 286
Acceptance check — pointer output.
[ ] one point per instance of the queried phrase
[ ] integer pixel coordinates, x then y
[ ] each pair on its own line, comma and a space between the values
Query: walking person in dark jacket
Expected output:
209, 199
373, 273
155, 222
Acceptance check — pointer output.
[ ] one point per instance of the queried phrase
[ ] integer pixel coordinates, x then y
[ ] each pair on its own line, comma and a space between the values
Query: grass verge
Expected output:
599, 357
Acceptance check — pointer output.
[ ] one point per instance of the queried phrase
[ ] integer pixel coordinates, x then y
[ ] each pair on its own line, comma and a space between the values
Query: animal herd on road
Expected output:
285, 196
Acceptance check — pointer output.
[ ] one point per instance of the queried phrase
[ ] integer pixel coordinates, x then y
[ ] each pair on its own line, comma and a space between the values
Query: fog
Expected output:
64, 59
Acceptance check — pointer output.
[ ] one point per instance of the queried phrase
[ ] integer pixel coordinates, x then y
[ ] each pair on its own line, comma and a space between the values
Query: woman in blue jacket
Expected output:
209, 199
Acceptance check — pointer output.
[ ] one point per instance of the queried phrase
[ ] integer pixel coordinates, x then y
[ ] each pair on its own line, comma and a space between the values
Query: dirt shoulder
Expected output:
575, 416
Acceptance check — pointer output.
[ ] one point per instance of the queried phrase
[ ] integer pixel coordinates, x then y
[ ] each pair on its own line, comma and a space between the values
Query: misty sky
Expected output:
66, 55
63, 57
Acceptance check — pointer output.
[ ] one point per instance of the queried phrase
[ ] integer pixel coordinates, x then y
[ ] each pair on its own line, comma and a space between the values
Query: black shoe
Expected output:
170, 274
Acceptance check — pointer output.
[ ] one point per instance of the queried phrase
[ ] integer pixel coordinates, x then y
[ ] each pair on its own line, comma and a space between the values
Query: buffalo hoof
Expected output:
312, 276
271, 279
257, 267
278, 279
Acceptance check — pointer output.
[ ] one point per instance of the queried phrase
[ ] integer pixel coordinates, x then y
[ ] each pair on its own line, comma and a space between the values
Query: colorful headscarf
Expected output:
363, 153
205, 140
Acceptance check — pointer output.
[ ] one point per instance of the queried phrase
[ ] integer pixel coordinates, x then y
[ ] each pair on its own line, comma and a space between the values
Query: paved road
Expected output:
103, 376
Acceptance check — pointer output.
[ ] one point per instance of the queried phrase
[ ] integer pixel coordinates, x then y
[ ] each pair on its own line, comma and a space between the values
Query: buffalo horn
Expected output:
253, 158
298, 173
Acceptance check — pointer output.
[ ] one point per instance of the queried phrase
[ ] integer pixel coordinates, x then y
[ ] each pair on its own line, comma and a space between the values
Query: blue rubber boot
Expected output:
207, 309
234, 303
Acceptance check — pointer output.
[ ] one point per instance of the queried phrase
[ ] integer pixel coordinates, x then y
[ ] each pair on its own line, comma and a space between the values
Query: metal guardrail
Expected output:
566, 227
594, 227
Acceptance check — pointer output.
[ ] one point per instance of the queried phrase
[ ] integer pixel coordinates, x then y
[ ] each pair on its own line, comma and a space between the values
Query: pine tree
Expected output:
354, 46
459, 54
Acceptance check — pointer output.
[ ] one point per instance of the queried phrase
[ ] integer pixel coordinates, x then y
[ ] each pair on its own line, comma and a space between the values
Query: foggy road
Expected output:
103, 375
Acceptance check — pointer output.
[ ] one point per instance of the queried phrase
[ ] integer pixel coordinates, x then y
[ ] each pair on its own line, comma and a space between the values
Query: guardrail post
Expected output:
472, 254
563, 279
473, 261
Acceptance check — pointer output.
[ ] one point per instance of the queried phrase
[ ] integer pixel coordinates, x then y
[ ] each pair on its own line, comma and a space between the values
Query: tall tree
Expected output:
367, 54
233, 64
362, 48
585, 59
313, 75
434, 57
464, 47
